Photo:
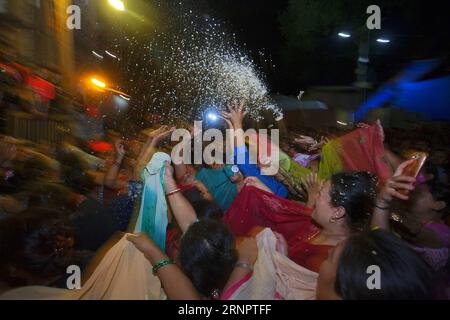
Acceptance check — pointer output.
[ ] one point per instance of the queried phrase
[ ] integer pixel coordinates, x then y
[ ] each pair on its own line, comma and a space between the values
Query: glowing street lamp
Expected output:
381, 40
344, 35
99, 56
102, 86
125, 97
110, 54
98, 83
117, 4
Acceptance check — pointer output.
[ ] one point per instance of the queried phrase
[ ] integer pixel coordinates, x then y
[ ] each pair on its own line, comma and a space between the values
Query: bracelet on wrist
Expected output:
171, 193
161, 264
382, 207
244, 265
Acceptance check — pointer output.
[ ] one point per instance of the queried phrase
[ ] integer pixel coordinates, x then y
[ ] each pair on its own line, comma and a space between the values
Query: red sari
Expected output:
360, 150
254, 207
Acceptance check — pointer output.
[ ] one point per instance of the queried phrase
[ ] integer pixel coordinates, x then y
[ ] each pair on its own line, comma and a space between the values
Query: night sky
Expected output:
419, 29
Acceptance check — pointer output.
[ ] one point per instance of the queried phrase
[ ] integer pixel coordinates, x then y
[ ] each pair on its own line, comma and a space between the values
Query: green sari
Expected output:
291, 173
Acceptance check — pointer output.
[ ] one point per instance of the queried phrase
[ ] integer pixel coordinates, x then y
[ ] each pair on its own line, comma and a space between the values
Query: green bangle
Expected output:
161, 264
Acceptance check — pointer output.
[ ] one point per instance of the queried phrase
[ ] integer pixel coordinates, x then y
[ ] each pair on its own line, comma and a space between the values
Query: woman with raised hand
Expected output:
207, 254
121, 207
337, 208
235, 117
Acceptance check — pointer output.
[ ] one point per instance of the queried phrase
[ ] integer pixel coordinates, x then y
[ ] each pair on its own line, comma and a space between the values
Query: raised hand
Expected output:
164, 133
364, 125
236, 114
380, 217
309, 143
168, 173
203, 190
305, 140
312, 186
397, 182
323, 141
142, 242
255, 182
152, 134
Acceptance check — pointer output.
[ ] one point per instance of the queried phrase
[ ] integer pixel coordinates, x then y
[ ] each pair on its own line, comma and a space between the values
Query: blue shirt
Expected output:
252, 170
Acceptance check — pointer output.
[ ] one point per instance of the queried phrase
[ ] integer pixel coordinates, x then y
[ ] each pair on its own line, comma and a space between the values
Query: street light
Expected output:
99, 56
110, 54
344, 35
117, 4
102, 86
98, 83
381, 40
125, 97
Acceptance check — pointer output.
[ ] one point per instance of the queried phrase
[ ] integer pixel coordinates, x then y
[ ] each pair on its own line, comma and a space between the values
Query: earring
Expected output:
215, 295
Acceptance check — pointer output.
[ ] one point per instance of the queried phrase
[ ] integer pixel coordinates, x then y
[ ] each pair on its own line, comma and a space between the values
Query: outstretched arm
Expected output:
111, 180
149, 149
235, 118
176, 284
182, 210
248, 254
381, 212
184, 174
312, 186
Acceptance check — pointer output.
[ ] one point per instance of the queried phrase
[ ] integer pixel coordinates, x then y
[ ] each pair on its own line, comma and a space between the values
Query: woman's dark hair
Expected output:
38, 243
403, 273
207, 210
192, 195
356, 193
440, 192
208, 255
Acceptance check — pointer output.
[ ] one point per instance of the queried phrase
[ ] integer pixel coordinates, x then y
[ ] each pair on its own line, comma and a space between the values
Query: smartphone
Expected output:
413, 169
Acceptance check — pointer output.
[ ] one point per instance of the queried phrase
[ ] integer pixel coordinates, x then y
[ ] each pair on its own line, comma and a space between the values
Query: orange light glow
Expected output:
98, 83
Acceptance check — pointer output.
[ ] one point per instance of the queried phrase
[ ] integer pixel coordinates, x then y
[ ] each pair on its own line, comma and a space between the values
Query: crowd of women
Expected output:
340, 220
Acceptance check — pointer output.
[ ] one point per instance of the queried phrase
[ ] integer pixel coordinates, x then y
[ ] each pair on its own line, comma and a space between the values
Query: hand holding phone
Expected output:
413, 169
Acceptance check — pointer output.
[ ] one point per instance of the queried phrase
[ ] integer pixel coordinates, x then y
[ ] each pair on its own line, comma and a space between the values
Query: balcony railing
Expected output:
23, 125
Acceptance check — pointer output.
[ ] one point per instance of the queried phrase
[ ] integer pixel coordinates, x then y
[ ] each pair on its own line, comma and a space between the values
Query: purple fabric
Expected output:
442, 231
305, 159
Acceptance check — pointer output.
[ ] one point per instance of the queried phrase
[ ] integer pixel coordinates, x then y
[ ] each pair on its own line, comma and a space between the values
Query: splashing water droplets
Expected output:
192, 66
